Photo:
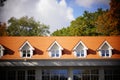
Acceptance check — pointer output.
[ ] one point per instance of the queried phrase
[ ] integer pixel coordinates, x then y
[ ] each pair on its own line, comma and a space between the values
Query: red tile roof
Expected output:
41, 44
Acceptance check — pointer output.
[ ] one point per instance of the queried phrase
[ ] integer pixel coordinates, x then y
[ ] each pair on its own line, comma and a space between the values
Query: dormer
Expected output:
1, 50
80, 50
105, 50
26, 50
55, 50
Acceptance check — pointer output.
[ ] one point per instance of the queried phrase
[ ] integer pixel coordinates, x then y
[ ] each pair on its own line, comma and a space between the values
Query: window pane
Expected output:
28, 54
85, 74
21, 75
54, 75
82, 55
112, 74
24, 51
107, 52
28, 51
57, 55
57, 51
3, 75
53, 55
82, 51
103, 52
78, 54
24, 55
31, 74
11, 75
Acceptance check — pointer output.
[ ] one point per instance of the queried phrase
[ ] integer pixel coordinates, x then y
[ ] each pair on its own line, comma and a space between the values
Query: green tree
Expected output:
26, 27
109, 23
82, 26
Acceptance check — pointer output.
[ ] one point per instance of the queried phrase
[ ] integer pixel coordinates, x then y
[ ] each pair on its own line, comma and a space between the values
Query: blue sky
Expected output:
91, 6
55, 13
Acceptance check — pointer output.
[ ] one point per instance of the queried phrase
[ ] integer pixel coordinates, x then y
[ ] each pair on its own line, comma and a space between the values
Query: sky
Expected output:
55, 13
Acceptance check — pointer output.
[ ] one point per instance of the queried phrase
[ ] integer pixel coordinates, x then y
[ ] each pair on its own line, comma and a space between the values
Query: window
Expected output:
105, 53
26, 53
55, 53
26, 50
105, 50
11, 75
54, 75
21, 75
80, 50
31, 75
85, 74
17, 75
55, 50
80, 53
112, 74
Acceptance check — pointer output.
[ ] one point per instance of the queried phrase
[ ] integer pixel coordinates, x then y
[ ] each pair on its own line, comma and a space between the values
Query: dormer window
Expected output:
26, 50
105, 50
80, 50
55, 50
1, 50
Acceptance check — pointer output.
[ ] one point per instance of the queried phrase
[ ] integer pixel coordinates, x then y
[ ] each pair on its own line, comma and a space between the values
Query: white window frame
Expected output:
1, 51
109, 50
84, 49
55, 53
59, 49
30, 49
26, 53
80, 53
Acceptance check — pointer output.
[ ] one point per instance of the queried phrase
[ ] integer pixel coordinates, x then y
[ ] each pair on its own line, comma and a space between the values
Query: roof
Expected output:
105, 42
26, 42
63, 62
80, 42
55, 42
41, 45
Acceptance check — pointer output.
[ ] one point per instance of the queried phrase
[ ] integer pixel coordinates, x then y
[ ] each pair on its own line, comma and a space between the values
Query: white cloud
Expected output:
89, 3
51, 12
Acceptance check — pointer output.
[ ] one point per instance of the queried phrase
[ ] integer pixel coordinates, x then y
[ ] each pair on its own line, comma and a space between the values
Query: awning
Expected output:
61, 62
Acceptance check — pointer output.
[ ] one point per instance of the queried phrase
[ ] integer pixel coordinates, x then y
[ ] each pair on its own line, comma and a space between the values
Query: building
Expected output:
60, 58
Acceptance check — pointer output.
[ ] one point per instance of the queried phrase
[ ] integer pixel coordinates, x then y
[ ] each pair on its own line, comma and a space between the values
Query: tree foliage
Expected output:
26, 27
109, 23
82, 26
3, 31
92, 24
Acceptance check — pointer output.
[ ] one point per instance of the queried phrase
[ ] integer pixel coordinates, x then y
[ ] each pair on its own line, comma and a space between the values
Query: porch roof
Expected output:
64, 62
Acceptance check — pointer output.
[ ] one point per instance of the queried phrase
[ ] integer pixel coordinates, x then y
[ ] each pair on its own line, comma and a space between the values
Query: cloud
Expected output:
50, 12
90, 3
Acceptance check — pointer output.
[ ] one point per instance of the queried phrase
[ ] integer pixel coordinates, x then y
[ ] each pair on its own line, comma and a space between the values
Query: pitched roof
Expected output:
80, 42
55, 42
26, 42
41, 44
105, 42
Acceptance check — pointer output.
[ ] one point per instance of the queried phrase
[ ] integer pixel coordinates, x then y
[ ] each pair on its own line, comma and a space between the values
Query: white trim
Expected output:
110, 48
85, 50
80, 42
59, 49
31, 50
110, 53
25, 44
1, 51
55, 42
